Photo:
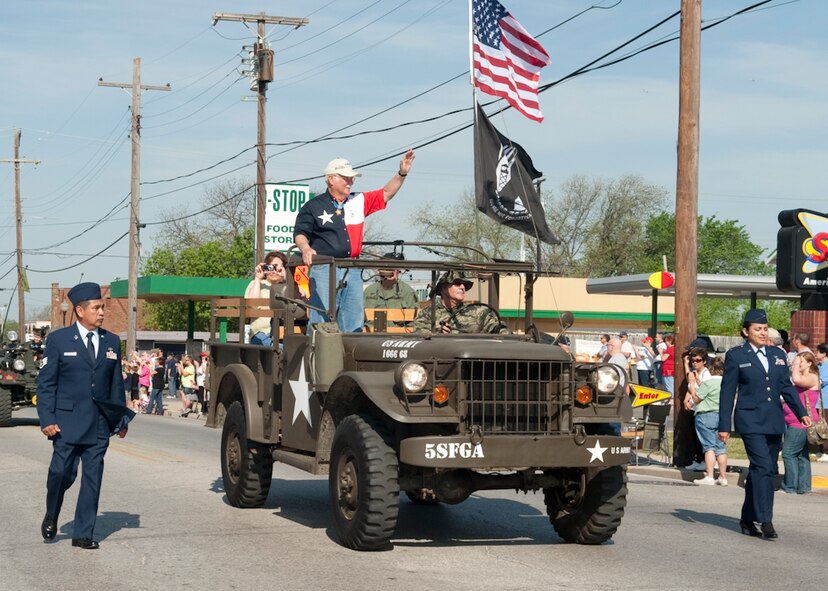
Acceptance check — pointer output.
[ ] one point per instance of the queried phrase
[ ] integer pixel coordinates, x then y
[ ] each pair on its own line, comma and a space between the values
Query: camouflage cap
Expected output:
450, 277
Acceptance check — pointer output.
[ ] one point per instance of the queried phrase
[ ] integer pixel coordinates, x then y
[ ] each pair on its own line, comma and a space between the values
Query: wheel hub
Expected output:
234, 458
348, 487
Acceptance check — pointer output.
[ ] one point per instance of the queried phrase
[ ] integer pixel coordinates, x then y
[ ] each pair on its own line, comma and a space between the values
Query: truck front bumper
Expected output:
510, 452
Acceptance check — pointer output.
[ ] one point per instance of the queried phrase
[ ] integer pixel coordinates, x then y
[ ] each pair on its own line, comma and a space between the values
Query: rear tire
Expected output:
246, 466
363, 485
5, 407
595, 517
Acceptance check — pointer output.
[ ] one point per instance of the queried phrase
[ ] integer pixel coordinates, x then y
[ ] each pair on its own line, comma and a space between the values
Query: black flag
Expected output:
503, 175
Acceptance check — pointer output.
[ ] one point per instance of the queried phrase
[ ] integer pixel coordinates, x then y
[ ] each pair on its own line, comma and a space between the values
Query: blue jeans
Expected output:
156, 400
261, 338
668, 383
707, 427
797, 477
350, 314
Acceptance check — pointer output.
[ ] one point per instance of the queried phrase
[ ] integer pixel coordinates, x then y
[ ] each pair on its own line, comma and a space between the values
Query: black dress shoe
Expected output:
48, 528
768, 531
85, 543
749, 528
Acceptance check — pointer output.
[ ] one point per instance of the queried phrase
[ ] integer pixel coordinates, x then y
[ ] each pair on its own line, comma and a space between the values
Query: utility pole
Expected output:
687, 211
22, 281
135, 194
263, 63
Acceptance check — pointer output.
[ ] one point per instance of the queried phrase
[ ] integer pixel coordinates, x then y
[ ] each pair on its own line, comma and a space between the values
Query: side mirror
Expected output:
567, 319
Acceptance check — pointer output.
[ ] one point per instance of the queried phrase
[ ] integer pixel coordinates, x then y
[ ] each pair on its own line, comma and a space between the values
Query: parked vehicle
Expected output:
18, 372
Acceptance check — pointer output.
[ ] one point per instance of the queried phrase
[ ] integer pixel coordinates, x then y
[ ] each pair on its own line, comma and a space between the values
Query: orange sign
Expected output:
661, 280
645, 395
300, 278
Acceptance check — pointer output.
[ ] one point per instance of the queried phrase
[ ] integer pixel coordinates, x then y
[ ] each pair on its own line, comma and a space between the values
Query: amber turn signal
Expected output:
441, 394
584, 395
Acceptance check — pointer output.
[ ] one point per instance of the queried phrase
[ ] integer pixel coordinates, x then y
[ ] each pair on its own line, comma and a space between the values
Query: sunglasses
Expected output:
697, 360
459, 282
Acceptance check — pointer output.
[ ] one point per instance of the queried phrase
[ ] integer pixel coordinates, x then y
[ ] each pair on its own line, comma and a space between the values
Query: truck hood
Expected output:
382, 347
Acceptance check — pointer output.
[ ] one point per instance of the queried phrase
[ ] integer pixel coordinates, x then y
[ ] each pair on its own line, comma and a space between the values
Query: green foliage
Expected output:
616, 235
724, 247
231, 258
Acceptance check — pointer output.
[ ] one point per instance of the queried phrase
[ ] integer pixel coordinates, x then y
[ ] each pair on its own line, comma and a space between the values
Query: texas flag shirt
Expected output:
334, 229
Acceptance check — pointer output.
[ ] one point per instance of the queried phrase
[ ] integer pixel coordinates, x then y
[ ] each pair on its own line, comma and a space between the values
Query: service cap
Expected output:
83, 292
756, 316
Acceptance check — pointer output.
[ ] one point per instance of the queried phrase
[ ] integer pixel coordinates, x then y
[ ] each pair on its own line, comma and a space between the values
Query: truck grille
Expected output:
509, 397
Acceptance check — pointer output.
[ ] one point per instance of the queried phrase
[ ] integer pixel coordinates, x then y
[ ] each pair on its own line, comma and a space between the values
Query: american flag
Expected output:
507, 59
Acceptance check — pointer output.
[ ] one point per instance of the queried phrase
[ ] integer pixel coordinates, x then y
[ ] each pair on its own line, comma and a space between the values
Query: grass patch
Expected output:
735, 446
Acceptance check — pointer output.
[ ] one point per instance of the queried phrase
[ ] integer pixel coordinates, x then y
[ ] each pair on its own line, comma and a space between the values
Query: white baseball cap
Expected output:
342, 167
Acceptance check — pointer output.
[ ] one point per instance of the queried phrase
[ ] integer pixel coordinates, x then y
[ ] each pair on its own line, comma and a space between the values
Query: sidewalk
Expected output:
819, 472
172, 408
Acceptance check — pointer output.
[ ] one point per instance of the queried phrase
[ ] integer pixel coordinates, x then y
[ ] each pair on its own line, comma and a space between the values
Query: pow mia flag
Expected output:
503, 178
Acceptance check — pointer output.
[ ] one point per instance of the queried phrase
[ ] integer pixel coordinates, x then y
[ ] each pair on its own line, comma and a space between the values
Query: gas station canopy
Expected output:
163, 288
708, 285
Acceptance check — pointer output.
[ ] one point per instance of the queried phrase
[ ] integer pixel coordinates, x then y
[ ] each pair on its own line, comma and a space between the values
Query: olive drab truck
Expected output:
434, 416
19, 365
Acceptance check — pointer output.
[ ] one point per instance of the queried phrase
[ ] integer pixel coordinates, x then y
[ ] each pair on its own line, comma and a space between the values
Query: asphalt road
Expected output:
164, 523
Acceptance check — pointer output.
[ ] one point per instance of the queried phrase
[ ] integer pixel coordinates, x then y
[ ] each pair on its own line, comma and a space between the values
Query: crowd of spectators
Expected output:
148, 374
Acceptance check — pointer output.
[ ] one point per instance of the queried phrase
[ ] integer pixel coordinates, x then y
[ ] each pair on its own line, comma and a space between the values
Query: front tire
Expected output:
594, 516
246, 466
5, 407
363, 485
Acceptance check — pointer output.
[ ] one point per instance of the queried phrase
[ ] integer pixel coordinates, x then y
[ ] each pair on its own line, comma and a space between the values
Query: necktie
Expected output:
90, 345
763, 358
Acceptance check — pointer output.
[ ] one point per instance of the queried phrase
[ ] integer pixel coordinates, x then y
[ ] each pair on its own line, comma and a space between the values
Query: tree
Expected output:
601, 223
231, 205
214, 258
724, 247
460, 223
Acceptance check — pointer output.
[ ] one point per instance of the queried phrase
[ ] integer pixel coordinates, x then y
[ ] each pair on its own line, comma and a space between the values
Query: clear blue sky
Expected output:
763, 119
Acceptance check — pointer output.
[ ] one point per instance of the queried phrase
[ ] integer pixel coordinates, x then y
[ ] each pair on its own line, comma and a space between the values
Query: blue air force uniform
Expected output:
68, 385
758, 417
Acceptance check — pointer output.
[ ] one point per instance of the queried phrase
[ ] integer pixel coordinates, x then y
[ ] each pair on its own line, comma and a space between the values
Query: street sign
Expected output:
282, 203
645, 395
661, 280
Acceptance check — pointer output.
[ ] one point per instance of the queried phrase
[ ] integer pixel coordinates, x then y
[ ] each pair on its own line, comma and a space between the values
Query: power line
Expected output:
326, 136
203, 92
120, 204
204, 106
104, 249
338, 23
580, 71
195, 172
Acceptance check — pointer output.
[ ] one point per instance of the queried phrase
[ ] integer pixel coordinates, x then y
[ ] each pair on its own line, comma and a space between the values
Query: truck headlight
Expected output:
19, 365
413, 377
11, 335
607, 379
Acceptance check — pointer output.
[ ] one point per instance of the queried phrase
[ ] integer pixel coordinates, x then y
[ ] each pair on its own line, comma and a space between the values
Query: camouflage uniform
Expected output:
465, 318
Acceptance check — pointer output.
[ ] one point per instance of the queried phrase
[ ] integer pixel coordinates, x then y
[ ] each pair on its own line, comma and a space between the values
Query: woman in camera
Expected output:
270, 272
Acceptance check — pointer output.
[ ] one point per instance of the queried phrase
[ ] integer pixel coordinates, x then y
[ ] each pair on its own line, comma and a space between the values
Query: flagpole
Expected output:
474, 111
471, 47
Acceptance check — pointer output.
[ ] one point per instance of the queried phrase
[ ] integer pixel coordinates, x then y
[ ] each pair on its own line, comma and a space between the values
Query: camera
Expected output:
266, 267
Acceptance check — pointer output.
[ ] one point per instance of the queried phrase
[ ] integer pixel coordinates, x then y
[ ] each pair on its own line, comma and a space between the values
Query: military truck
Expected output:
436, 416
18, 372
